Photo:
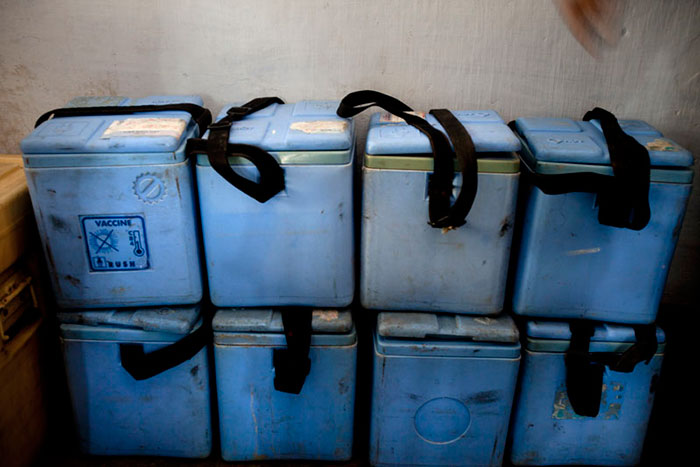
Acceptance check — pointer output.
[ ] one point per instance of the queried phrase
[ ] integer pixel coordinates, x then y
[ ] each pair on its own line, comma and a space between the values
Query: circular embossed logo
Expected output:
442, 421
149, 188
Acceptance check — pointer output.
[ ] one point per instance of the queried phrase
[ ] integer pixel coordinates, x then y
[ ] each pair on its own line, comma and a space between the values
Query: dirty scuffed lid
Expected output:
304, 126
561, 140
175, 320
270, 321
604, 332
389, 134
452, 327
148, 132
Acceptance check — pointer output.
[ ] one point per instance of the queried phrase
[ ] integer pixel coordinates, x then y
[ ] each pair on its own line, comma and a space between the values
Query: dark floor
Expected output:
668, 441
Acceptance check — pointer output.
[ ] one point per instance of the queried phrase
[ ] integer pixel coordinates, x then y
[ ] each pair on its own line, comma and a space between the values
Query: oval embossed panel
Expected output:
442, 420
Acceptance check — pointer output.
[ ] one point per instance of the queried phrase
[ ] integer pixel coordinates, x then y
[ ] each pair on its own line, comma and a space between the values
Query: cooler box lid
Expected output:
270, 321
563, 140
149, 132
304, 126
555, 336
407, 148
15, 210
150, 324
446, 335
451, 327
264, 327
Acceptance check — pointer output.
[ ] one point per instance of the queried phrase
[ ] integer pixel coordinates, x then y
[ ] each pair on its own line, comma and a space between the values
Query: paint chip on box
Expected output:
320, 126
145, 127
387, 117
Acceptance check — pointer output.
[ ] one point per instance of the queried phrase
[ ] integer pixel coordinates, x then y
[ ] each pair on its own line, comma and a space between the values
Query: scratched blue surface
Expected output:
546, 430
444, 398
571, 266
118, 229
166, 415
258, 422
296, 248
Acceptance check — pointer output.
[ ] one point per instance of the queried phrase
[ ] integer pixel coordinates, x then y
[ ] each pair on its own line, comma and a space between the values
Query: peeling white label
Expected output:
585, 251
145, 127
328, 315
320, 126
661, 144
387, 117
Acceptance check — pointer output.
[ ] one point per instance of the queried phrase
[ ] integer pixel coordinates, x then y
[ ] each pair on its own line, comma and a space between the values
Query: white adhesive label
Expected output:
320, 126
387, 117
145, 127
661, 144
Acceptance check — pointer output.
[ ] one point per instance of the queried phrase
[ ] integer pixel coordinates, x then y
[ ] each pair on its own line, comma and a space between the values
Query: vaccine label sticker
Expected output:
116, 242
145, 127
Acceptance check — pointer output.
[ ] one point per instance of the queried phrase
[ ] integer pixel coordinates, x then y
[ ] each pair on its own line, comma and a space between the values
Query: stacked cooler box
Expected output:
114, 198
445, 358
590, 273
285, 376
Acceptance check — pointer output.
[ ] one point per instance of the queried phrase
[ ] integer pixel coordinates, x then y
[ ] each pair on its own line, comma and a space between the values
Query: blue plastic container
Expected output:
257, 422
296, 248
443, 389
571, 266
114, 201
405, 263
545, 428
168, 414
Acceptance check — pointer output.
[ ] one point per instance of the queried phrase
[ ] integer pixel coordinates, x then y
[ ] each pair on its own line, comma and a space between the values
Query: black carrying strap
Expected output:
200, 115
623, 198
292, 364
626, 202
141, 365
584, 370
218, 150
440, 212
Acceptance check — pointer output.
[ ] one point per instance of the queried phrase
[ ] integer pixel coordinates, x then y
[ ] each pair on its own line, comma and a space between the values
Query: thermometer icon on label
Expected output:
135, 237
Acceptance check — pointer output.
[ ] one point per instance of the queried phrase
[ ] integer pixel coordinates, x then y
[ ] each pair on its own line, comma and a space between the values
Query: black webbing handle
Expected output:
625, 203
292, 364
440, 212
218, 150
584, 370
141, 365
623, 198
466, 157
200, 115
584, 379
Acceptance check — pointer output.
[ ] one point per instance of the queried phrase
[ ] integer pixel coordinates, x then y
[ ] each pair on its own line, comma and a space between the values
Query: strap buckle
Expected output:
223, 124
238, 112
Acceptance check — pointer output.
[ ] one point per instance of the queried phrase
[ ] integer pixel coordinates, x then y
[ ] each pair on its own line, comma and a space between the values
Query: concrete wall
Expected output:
515, 56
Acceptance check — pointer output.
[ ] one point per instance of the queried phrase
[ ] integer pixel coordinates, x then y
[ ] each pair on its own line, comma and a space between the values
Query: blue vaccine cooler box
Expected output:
295, 248
443, 387
608, 424
124, 402
259, 422
406, 264
571, 265
113, 197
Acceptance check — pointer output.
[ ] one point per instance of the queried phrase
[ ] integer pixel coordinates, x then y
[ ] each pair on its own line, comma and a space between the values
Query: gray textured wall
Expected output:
515, 56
